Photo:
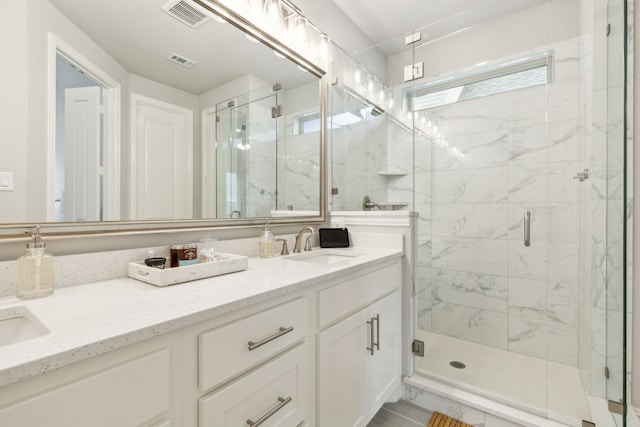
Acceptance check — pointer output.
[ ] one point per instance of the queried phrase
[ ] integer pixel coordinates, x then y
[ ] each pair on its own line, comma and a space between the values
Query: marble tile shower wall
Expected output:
475, 278
261, 160
358, 153
299, 156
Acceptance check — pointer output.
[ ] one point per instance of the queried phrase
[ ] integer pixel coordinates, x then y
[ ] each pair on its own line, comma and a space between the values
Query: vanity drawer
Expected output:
346, 297
279, 388
233, 348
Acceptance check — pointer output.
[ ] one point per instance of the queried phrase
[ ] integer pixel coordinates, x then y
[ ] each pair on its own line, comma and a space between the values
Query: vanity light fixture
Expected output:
277, 22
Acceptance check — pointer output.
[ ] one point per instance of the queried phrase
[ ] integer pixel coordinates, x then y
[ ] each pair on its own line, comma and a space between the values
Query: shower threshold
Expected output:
527, 385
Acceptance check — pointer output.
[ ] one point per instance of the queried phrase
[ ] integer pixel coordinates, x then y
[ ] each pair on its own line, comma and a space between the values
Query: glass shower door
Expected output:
617, 199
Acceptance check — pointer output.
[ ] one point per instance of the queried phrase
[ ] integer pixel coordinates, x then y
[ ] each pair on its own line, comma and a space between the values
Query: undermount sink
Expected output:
19, 324
323, 256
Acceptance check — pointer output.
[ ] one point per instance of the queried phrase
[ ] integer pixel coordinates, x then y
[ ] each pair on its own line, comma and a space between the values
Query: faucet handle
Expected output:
285, 249
307, 245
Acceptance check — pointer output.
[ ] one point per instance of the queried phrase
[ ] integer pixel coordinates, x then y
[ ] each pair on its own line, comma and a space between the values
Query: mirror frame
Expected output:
16, 231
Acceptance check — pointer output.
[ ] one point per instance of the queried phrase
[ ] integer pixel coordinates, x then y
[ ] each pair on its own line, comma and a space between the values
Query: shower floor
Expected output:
527, 383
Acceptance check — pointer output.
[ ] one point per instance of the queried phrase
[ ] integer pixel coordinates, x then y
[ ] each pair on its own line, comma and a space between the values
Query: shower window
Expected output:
513, 75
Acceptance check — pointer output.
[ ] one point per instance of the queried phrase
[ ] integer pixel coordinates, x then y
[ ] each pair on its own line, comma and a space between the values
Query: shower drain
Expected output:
457, 365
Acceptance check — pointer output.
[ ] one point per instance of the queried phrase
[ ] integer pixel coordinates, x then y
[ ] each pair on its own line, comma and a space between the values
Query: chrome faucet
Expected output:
307, 247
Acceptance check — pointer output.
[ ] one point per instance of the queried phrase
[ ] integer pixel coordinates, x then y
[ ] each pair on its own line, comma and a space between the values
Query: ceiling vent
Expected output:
178, 59
186, 12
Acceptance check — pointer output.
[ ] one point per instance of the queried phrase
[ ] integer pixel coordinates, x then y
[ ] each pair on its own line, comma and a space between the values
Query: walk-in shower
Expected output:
511, 149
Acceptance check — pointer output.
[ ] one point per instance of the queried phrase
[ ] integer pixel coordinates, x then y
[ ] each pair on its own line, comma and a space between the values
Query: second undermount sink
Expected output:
324, 256
19, 324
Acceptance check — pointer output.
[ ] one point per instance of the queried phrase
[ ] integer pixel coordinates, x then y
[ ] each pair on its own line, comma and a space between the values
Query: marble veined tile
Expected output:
563, 100
563, 262
527, 107
482, 150
528, 144
528, 262
470, 324
527, 183
483, 291
527, 295
563, 140
527, 335
563, 222
488, 221
471, 255
470, 186
562, 185
481, 115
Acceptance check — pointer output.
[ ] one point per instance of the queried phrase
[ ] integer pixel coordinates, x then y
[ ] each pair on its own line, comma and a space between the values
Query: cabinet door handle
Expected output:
282, 331
377, 319
282, 401
371, 336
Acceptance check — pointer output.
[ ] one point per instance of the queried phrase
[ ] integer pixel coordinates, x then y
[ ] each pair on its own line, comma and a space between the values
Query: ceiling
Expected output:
139, 35
386, 22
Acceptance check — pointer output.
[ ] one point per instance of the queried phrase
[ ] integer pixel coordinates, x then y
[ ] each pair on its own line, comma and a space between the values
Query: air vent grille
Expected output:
186, 12
179, 59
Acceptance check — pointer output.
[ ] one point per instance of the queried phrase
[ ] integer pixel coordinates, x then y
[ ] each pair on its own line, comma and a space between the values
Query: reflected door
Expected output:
162, 167
82, 197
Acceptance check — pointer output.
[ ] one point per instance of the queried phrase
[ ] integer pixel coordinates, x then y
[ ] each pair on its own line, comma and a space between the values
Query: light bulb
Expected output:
357, 76
323, 48
300, 37
370, 84
255, 10
274, 22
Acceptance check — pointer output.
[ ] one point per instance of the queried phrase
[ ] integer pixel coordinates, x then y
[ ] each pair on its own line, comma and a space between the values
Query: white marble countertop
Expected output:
95, 318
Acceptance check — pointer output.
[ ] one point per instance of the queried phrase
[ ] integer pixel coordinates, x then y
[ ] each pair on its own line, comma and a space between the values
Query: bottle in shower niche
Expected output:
35, 269
265, 243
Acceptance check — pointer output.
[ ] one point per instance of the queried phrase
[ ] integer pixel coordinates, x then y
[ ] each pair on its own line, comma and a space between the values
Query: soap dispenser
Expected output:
35, 269
265, 243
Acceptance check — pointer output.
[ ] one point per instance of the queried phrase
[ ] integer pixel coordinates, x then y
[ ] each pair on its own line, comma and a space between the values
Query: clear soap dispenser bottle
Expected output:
35, 269
265, 243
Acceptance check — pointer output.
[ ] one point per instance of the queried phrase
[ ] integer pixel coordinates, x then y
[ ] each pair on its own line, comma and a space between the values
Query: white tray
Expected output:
224, 263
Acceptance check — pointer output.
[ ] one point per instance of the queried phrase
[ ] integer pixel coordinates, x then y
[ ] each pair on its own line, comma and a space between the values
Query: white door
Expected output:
386, 362
162, 169
82, 197
342, 373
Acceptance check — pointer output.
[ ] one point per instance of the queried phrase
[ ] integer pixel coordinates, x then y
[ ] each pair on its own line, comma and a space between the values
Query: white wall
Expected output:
42, 19
13, 86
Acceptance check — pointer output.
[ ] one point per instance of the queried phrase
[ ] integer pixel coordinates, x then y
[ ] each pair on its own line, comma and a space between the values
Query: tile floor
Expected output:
400, 414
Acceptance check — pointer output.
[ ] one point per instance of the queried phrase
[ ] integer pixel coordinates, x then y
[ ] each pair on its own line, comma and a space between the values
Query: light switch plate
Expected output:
6, 181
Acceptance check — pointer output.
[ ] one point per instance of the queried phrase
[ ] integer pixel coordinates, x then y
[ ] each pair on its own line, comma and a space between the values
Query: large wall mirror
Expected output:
144, 112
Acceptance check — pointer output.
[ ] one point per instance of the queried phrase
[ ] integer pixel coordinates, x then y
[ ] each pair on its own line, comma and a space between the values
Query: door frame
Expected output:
209, 164
111, 125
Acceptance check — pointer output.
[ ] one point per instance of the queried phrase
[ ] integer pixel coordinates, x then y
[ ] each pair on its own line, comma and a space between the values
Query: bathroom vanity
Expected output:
309, 339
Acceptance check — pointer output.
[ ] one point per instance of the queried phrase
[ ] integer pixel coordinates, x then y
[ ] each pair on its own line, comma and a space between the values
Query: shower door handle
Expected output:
527, 228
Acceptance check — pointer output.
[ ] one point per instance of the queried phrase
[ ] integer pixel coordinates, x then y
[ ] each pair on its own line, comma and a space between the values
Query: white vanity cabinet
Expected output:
134, 386
254, 369
359, 353
324, 354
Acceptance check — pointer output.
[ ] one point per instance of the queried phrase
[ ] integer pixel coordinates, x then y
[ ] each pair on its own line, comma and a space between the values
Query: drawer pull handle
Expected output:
272, 411
253, 345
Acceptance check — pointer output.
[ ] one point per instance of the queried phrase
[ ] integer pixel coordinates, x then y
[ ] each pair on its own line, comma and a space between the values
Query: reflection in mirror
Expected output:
159, 120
